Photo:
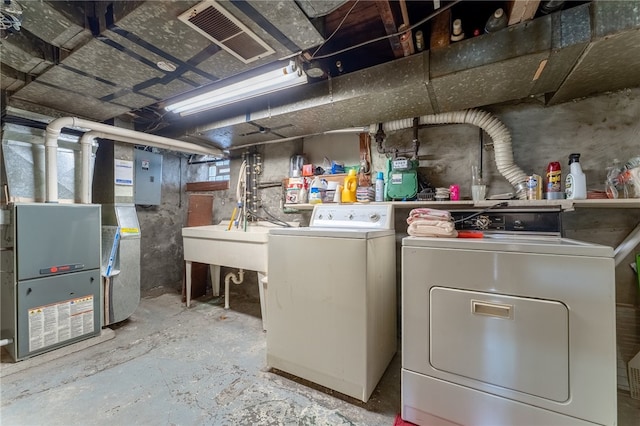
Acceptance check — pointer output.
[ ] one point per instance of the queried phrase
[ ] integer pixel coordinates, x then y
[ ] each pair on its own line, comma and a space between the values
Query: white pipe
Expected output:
495, 129
117, 133
86, 142
236, 280
88, 139
5, 342
627, 246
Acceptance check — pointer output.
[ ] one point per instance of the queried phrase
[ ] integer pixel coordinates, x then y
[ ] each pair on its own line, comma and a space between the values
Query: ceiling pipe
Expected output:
116, 133
498, 132
88, 140
363, 129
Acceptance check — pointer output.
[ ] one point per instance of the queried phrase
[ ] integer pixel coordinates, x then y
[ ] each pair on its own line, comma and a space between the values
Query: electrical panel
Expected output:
148, 177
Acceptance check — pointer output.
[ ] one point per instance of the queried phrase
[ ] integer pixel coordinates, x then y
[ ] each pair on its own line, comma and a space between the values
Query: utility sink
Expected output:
218, 246
234, 248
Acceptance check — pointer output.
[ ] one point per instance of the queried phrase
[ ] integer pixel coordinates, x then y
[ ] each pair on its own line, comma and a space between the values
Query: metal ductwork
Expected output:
539, 58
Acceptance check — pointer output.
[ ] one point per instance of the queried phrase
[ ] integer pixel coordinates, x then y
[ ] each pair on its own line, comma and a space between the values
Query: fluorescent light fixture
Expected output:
268, 82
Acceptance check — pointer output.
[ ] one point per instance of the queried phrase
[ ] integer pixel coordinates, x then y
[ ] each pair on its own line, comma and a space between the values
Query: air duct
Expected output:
116, 133
498, 132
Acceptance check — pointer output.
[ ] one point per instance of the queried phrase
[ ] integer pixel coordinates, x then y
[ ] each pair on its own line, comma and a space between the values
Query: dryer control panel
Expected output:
512, 221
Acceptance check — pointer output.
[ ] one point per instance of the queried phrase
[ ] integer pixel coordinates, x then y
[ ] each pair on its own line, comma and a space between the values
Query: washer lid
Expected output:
328, 232
511, 243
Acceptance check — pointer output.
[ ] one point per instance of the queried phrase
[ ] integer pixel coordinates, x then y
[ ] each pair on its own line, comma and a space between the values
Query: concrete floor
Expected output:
167, 365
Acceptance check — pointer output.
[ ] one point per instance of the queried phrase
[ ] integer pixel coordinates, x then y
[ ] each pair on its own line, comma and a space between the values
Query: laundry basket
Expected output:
634, 376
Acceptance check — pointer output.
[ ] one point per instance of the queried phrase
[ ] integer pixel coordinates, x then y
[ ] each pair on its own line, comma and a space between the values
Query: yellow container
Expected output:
350, 186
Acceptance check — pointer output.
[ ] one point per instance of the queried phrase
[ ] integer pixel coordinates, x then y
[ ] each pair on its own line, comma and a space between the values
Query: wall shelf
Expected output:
567, 205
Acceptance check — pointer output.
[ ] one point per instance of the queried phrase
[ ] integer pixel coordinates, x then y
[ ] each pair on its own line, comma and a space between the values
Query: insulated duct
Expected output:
491, 125
116, 133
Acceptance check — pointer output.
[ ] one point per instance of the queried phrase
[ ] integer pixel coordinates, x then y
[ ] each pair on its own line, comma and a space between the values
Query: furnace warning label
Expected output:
55, 323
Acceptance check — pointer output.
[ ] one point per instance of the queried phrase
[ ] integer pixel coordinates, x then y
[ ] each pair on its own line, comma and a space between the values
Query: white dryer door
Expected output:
513, 342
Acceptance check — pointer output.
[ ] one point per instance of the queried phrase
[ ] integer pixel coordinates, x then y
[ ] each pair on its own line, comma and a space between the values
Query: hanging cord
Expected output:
471, 216
336, 30
271, 218
417, 24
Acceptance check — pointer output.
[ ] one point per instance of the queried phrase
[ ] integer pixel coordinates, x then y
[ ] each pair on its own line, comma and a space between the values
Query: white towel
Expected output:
432, 228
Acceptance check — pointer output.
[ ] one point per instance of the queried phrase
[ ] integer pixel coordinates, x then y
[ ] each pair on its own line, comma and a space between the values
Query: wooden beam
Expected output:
521, 10
441, 30
207, 186
386, 15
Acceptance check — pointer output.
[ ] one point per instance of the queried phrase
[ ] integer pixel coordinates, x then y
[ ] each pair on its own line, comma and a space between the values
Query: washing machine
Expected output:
332, 298
514, 328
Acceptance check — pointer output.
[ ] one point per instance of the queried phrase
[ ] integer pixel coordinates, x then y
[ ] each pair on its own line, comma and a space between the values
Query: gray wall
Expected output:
600, 128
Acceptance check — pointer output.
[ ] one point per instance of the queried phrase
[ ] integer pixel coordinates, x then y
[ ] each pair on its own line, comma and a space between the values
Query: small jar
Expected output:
454, 192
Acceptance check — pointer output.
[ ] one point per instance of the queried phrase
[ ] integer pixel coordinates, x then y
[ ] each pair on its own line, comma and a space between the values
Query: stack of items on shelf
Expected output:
442, 194
426, 222
364, 194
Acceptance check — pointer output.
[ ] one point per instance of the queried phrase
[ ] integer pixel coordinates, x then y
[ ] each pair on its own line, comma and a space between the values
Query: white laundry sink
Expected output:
235, 248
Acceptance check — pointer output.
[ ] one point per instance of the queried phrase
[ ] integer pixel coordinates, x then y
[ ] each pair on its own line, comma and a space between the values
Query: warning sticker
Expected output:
55, 323
130, 230
396, 178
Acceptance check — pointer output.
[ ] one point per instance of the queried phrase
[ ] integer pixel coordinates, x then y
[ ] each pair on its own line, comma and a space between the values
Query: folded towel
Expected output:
432, 228
428, 214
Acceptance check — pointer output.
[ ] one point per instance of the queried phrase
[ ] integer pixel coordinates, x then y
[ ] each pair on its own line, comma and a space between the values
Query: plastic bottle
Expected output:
457, 34
304, 192
496, 22
316, 191
380, 187
575, 185
350, 187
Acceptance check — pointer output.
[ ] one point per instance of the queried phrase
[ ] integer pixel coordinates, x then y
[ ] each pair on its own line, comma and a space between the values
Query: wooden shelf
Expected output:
207, 186
568, 205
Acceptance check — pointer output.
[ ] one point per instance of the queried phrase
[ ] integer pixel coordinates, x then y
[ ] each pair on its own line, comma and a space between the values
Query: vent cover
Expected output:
211, 20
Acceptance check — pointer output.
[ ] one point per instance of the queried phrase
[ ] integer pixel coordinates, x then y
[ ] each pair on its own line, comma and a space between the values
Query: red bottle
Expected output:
553, 180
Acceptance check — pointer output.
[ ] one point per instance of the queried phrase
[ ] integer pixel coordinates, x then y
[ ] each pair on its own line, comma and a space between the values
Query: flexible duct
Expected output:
116, 133
498, 132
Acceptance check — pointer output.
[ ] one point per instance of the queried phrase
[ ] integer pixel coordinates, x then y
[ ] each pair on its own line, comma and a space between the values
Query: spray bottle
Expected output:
575, 185
380, 187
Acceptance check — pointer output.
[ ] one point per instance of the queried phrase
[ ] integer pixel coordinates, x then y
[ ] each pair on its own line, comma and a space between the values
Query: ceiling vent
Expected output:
211, 20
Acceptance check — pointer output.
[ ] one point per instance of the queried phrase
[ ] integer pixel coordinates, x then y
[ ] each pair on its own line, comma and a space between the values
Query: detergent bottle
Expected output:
315, 191
350, 186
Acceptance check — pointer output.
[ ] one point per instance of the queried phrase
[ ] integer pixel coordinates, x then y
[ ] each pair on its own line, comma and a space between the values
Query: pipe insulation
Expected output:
116, 133
498, 132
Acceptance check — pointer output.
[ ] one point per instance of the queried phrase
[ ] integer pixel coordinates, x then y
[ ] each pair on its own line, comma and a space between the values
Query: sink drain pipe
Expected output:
237, 279
498, 132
